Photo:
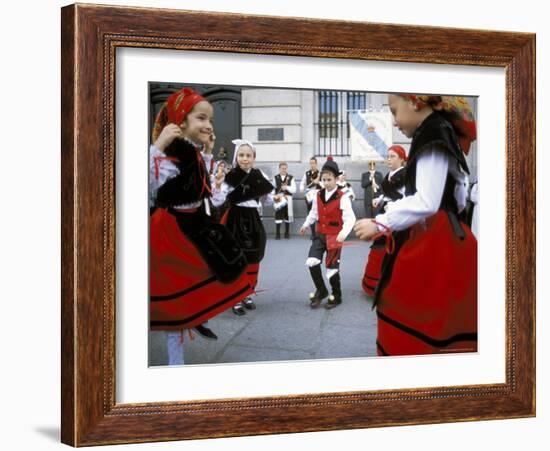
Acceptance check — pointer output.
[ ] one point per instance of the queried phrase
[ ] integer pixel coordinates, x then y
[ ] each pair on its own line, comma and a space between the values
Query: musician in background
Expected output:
310, 184
285, 187
345, 186
371, 182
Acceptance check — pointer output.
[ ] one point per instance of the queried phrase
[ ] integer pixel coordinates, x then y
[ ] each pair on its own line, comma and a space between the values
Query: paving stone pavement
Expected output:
283, 327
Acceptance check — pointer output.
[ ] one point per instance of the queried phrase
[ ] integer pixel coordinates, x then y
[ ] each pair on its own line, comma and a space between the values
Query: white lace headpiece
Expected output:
238, 143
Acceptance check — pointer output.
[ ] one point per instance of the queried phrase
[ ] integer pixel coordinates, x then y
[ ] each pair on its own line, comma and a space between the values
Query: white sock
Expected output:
174, 345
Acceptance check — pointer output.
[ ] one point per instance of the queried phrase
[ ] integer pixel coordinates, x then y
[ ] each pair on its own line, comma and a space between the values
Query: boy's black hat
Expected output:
331, 166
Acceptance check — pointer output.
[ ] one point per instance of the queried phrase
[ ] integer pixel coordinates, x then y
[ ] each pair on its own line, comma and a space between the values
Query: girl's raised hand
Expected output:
167, 135
209, 146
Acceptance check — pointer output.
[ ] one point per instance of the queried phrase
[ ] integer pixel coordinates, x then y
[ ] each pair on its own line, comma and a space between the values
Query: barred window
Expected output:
332, 124
356, 101
328, 114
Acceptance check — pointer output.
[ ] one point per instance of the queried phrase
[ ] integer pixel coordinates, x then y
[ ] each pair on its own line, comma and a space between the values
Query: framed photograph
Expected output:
286, 365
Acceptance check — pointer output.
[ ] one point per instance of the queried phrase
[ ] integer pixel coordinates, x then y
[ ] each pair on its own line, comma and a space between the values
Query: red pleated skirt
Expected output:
430, 303
373, 269
183, 290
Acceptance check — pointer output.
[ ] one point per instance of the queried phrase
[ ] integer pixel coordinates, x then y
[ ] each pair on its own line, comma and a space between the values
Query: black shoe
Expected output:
321, 292
287, 228
205, 332
238, 309
249, 304
333, 301
335, 298
316, 298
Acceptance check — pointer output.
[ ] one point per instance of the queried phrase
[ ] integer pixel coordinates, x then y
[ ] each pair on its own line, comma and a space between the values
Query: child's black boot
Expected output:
336, 297
321, 292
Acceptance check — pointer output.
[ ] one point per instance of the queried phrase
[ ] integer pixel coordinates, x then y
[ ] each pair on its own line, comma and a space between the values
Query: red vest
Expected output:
330, 220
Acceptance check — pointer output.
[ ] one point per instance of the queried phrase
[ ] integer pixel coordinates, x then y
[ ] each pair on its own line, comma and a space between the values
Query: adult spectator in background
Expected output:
285, 187
370, 182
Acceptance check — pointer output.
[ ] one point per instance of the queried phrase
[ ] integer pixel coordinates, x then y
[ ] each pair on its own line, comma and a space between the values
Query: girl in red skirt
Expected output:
196, 266
427, 296
392, 188
243, 191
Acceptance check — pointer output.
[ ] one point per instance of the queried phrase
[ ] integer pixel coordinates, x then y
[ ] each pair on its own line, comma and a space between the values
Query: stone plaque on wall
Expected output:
271, 134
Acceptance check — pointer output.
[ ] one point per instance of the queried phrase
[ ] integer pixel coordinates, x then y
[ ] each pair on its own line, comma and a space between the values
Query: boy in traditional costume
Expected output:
332, 211
309, 185
285, 187
345, 186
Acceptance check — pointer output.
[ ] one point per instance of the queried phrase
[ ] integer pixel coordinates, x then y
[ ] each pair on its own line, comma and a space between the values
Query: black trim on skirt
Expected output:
466, 336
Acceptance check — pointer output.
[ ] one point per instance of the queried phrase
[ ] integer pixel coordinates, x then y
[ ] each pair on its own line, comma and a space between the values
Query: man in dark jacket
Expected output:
371, 181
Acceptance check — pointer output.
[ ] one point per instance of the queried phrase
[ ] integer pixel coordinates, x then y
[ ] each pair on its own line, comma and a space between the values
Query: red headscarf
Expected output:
456, 110
174, 110
399, 151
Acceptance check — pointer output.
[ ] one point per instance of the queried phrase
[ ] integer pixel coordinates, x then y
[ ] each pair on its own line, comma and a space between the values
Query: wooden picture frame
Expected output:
90, 36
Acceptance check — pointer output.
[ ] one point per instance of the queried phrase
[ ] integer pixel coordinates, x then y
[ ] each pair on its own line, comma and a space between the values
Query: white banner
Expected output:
370, 135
